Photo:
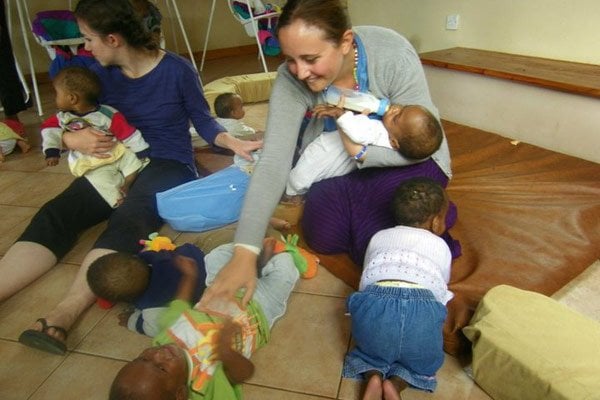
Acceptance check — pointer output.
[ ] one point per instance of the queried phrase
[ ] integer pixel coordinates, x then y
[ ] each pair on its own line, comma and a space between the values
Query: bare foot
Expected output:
57, 334
392, 388
279, 224
23, 145
373, 389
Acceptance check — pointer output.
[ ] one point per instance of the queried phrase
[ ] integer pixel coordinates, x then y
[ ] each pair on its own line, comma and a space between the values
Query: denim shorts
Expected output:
398, 332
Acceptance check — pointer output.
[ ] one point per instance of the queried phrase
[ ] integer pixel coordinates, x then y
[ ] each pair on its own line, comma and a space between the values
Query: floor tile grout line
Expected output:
83, 337
334, 296
348, 344
54, 370
289, 391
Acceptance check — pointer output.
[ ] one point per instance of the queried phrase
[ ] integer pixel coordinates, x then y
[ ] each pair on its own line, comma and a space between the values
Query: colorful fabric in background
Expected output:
265, 27
268, 41
55, 25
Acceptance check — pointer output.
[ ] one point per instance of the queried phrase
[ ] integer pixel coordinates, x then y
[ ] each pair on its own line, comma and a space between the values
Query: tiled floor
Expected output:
303, 361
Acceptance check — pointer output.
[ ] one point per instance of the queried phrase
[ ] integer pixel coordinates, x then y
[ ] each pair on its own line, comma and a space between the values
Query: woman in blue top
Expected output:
159, 93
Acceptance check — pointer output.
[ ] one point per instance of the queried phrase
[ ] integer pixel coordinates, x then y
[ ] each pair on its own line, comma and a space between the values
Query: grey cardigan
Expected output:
395, 72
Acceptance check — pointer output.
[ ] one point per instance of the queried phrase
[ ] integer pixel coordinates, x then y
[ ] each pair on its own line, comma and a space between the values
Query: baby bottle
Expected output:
356, 101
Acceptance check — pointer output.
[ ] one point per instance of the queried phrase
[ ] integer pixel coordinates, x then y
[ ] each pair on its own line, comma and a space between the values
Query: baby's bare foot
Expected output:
23, 145
393, 387
279, 224
373, 389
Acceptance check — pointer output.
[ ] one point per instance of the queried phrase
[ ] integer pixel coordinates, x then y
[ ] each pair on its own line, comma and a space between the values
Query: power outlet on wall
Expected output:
452, 22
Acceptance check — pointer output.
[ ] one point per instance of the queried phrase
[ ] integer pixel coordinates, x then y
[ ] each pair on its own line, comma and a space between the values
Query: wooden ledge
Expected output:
572, 77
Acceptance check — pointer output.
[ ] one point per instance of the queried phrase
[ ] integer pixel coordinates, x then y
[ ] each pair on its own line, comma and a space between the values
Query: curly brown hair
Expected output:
118, 277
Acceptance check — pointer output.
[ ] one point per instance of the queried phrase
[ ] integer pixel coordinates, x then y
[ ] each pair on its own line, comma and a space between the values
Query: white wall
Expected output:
557, 29
563, 122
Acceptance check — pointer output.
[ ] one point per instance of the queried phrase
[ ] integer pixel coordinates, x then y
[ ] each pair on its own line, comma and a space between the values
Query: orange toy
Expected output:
157, 243
305, 261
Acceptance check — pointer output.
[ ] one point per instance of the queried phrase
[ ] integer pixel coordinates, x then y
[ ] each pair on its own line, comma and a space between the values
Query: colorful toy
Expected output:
305, 261
157, 243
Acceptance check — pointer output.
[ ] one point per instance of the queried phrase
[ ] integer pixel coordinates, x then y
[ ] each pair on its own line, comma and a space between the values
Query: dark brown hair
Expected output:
118, 277
138, 21
330, 16
224, 104
416, 200
423, 135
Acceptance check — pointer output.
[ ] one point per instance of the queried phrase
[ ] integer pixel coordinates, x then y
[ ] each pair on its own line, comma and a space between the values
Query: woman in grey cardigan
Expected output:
341, 214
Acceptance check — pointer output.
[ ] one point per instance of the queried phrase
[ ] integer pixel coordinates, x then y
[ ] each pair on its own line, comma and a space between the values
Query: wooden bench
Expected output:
566, 76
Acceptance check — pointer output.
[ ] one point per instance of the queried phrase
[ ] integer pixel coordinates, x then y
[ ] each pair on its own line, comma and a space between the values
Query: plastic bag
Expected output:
206, 203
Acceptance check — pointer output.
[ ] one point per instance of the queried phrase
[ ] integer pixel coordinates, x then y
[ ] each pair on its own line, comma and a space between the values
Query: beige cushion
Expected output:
529, 346
252, 87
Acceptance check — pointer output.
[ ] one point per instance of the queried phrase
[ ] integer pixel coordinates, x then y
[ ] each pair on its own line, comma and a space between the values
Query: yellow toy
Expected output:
157, 243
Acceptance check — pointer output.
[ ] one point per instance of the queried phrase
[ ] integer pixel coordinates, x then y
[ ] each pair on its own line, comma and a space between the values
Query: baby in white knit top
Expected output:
399, 311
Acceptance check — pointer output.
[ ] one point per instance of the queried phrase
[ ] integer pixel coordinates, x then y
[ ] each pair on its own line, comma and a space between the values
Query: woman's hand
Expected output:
242, 148
239, 272
89, 141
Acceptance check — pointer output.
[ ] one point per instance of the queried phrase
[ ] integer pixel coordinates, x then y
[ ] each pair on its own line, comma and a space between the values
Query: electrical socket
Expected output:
452, 22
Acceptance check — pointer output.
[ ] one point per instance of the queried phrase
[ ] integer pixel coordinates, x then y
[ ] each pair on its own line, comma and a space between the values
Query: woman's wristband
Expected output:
361, 153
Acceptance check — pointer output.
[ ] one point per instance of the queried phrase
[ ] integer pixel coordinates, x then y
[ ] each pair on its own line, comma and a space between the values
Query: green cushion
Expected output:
251, 87
529, 346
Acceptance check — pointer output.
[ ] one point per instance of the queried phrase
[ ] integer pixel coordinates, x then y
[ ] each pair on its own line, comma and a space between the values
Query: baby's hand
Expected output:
186, 265
327, 110
227, 335
124, 316
123, 191
237, 368
52, 161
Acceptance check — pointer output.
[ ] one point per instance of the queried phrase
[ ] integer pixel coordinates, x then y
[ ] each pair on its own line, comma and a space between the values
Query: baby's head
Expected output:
118, 277
413, 131
421, 203
76, 87
158, 373
229, 105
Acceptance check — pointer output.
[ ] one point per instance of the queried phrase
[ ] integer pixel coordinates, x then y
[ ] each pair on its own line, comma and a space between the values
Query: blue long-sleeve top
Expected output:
172, 97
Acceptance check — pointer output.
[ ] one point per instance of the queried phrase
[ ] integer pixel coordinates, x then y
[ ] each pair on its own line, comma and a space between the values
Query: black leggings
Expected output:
58, 224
